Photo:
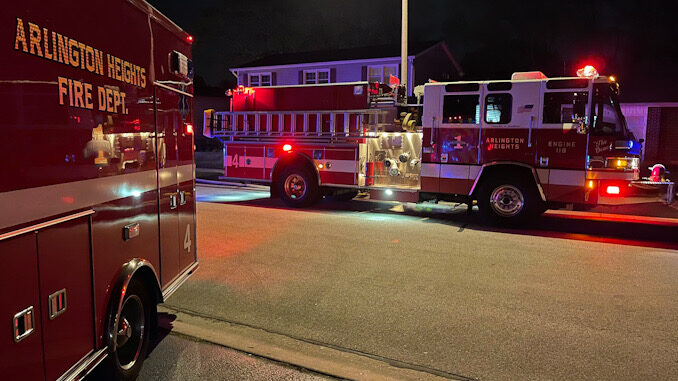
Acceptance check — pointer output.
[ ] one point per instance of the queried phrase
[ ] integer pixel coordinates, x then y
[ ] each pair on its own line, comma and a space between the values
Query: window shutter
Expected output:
363, 74
333, 75
245, 77
301, 77
274, 79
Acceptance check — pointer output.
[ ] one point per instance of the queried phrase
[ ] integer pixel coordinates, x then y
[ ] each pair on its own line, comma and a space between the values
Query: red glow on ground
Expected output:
592, 216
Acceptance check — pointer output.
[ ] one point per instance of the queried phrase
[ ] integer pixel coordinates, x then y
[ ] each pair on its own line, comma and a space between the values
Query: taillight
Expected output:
612, 190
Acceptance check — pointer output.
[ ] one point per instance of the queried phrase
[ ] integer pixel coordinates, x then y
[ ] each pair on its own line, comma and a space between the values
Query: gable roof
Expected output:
368, 52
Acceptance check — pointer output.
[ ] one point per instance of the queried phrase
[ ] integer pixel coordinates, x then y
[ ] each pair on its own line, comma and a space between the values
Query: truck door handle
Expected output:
543, 161
182, 198
57, 303
23, 324
173, 201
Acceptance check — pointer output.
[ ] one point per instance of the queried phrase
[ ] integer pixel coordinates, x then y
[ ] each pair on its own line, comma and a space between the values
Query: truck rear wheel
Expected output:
297, 187
129, 346
507, 200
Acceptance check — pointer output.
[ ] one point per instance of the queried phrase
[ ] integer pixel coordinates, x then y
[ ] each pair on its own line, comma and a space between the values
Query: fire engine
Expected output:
97, 200
515, 147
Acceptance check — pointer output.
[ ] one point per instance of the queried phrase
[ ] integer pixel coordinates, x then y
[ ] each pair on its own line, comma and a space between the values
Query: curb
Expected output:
303, 354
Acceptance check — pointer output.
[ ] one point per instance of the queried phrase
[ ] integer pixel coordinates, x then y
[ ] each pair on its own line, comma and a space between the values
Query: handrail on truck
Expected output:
247, 125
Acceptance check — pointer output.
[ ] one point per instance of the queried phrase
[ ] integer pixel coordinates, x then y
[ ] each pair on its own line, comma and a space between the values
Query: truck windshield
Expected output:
608, 119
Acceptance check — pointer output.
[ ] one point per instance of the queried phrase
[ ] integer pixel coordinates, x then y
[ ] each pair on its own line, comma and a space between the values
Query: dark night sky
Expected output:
635, 40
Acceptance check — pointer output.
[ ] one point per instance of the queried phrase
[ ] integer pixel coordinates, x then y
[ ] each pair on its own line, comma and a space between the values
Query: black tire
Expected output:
297, 187
509, 200
127, 351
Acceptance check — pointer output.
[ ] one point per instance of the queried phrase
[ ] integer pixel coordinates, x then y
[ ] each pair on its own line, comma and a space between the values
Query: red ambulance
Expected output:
97, 194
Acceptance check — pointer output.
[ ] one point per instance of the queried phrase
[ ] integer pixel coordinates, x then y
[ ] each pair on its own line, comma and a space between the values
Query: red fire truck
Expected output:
515, 147
97, 201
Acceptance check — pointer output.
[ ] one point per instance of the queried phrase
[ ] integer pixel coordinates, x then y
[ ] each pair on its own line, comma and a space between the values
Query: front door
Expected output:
561, 146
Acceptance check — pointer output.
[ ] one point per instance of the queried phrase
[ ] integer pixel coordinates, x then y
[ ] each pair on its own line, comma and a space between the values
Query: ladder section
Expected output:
334, 125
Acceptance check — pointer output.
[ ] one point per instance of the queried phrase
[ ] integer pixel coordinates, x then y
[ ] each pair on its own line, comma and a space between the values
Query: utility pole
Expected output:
403, 49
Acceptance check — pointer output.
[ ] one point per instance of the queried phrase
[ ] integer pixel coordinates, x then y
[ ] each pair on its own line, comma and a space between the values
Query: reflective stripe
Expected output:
172, 176
454, 171
567, 177
543, 175
185, 173
474, 171
26, 205
269, 162
341, 166
430, 170
611, 175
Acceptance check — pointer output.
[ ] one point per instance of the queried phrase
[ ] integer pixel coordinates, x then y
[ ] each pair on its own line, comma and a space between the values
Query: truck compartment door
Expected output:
20, 347
64, 256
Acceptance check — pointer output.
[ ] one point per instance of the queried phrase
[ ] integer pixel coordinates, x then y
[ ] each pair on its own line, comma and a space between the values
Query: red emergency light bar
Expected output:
587, 71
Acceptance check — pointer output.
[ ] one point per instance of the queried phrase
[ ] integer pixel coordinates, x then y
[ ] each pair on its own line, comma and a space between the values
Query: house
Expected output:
432, 60
657, 124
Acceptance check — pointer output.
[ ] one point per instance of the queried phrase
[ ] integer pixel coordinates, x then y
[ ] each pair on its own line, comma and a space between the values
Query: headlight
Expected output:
623, 163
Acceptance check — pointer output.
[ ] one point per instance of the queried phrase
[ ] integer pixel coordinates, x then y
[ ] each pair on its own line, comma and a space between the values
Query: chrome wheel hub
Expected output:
507, 200
295, 186
124, 332
130, 333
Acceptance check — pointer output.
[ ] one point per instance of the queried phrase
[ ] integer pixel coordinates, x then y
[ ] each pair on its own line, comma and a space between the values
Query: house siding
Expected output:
340, 72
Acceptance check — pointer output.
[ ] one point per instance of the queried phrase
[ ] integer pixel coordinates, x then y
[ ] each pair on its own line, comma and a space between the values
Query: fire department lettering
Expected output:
34, 40
59, 48
504, 143
561, 146
79, 94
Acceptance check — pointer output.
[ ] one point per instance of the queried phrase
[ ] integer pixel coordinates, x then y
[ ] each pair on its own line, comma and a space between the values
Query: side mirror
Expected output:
623, 144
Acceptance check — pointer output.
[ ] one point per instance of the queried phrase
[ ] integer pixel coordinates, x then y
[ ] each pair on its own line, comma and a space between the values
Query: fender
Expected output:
136, 266
510, 163
292, 157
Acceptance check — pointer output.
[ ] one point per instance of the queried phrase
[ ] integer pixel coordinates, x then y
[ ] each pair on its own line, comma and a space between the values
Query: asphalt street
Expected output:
427, 287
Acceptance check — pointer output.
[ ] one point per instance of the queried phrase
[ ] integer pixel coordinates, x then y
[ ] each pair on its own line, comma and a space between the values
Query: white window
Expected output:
381, 73
260, 79
316, 76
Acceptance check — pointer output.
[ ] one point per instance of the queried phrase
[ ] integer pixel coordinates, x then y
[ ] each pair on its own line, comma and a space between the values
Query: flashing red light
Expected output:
587, 71
189, 38
287, 148
189, 129
613, 189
